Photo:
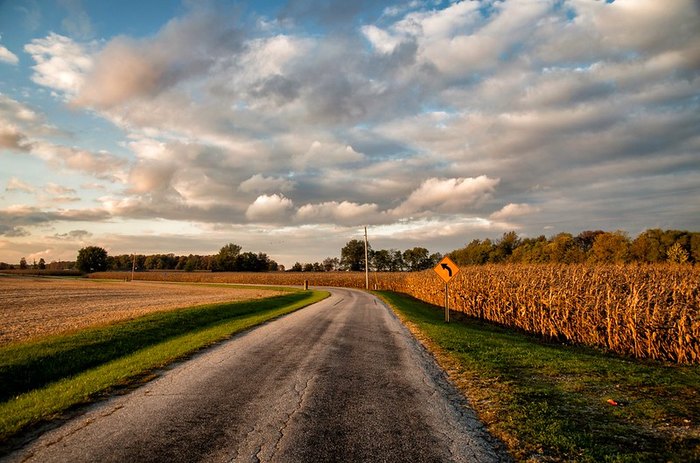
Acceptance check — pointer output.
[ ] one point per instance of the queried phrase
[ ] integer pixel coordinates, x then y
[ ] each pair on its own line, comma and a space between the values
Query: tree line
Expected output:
229, 259
651, 246
352, 258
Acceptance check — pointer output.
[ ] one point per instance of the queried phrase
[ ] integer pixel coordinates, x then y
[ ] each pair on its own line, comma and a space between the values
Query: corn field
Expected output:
644, 311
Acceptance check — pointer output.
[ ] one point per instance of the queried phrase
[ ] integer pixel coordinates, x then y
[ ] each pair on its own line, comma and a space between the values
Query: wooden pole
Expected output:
366, 262
447, 306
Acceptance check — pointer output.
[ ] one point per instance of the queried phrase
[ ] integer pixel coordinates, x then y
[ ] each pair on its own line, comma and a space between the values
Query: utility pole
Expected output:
133, 267
366, 262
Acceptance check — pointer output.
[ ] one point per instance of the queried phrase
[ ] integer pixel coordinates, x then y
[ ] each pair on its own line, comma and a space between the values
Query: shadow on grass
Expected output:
32, 365
550, 401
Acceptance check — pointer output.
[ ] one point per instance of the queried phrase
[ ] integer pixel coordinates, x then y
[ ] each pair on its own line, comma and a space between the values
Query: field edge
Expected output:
29, 413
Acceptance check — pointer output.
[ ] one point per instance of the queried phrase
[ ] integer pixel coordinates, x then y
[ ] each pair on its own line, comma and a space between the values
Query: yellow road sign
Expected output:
446, 269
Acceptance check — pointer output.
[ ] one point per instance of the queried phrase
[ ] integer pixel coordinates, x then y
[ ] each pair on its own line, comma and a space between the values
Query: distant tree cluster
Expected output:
38, 265
229, 259
598, 246
352, 258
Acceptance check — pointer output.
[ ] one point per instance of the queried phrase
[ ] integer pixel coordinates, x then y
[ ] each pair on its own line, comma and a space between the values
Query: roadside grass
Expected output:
550, 402
45, 377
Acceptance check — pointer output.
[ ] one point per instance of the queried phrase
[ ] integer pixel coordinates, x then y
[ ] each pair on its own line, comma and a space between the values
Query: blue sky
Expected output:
286, 127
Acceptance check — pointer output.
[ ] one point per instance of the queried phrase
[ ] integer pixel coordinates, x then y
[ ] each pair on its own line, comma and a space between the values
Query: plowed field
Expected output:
33, 307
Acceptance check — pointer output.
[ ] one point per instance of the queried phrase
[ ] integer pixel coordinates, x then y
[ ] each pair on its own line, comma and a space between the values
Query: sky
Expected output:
287, 126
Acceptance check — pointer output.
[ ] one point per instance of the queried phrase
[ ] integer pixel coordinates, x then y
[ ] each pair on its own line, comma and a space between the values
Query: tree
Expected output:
585, 239
611, 248
381, 260
476, 252
397, 263
330, 264
92, 259
23, 263
42, 264
352, 256
504, 247
296, 267
676, 254
417, 259
225, 261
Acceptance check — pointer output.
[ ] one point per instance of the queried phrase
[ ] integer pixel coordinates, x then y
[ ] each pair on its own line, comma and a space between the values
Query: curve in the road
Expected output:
341, 380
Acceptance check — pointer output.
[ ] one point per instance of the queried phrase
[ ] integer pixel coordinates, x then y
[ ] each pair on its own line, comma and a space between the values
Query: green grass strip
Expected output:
550, 402
159, 339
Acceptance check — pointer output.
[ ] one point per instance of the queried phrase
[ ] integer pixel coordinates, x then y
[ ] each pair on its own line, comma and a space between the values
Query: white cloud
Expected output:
380, 39
269, 208
61, 63
7, 56
325, 154
15, 184
513, 210
494, 103
452, 195
344, 213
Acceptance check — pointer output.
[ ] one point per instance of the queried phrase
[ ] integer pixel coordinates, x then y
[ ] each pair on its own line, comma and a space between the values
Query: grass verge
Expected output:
43, 378
553, 402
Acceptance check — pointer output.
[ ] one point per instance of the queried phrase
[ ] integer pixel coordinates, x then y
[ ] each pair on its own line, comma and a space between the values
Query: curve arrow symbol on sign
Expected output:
447, 267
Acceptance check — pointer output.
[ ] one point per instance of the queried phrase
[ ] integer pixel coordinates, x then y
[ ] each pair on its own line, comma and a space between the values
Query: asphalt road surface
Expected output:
341, 380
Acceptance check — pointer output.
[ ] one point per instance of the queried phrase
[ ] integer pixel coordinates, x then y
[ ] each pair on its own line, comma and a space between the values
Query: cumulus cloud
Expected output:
7, 56
269, 208
452, 195
433, 112
380, 39
513, 210
344, 213
321, 154
61, 63
121, 71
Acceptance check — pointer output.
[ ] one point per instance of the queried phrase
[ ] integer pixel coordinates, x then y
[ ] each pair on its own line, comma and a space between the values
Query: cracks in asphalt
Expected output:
300, 405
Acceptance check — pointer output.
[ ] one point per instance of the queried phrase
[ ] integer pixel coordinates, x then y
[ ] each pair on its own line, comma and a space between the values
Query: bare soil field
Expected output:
34, 307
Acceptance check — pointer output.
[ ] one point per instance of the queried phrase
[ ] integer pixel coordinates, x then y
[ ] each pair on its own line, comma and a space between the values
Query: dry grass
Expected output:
34, 307
644, 311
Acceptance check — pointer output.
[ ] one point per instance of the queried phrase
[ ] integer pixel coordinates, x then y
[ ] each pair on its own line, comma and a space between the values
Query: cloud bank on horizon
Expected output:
285, 128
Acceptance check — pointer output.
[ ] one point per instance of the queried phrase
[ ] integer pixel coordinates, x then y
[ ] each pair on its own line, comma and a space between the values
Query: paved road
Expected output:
338, 381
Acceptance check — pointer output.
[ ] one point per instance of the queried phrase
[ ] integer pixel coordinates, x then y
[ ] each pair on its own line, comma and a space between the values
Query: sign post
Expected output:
446, 269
